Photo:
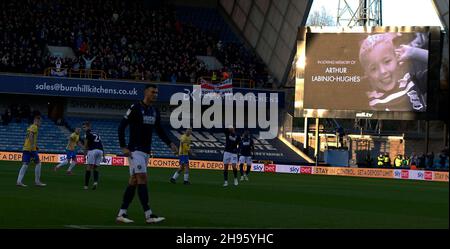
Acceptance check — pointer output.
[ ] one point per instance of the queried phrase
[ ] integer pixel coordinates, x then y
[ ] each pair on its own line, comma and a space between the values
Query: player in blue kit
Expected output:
246, 150
232, 140
142, 118
94, 154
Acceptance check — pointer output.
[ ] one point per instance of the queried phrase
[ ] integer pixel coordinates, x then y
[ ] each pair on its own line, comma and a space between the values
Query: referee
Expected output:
142, 117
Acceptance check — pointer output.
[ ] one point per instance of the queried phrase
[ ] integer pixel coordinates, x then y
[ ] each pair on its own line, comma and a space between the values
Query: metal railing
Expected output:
238, 82
81, 73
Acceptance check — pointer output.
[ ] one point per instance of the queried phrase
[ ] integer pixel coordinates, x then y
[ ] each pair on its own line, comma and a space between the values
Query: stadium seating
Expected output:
206, 19
208, 144
50, 137
53, 139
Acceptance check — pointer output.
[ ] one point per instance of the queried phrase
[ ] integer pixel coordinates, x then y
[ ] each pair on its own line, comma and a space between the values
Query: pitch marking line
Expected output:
155, 226
76, 227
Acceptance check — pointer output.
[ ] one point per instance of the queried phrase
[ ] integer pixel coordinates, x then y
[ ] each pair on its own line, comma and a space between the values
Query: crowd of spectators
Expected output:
415, 161
21, 46
430, 161
18, 113
125, 39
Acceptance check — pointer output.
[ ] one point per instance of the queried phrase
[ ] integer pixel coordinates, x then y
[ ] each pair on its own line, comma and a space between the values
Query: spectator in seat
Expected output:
405, 162
173, 78
34, 114
413, 160
7, 117
88, 62
422, 161
84, 47
369, 161
430, 160
442, 159
25, 112
58, 64
225, 75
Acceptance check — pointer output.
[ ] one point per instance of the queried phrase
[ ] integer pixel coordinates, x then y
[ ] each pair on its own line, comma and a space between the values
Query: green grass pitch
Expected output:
266, 201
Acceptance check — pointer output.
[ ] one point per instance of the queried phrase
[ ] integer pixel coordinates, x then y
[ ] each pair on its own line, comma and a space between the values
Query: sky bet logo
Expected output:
81, 159
269, 168
405, 174
294, 169
306, 170
118, 161
420, 175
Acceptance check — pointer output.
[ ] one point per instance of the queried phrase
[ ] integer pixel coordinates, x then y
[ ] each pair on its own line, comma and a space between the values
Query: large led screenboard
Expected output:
378, 71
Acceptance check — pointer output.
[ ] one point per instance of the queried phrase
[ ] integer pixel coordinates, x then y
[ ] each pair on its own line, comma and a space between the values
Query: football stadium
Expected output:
223, 114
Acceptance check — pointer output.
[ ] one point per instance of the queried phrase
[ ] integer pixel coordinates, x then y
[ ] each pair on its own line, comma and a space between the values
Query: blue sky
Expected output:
395, 12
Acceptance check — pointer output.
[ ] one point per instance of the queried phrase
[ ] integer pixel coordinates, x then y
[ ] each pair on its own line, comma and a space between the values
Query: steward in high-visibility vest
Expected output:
398, 161
380, 160
405, 162
387, 161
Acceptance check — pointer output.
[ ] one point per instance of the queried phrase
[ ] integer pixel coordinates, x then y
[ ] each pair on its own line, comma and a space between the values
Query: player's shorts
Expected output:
245, 159
71, 154
184, 159
229, 158
94, 157
28, 155
138, 162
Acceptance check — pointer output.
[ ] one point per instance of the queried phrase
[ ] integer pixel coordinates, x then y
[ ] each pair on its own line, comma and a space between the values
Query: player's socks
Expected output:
22, 172
128, 197
186, 177
248, 169
122, 212
37, 173
235, 173
87, 177
62, 164
143, 196
148, 213
72, 165
241, 169
225, 175
96, 175
175, 175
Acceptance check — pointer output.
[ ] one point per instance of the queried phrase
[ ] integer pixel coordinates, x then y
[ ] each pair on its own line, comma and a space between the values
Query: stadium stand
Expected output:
53, 139
206, 19
106, 35
50, 139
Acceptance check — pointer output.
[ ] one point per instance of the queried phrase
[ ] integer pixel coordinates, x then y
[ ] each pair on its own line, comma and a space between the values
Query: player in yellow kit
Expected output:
30, 151
185, 148
71, 153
